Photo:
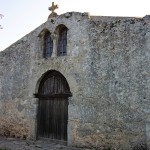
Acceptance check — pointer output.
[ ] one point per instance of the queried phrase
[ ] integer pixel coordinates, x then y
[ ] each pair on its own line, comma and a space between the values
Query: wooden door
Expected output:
53, 106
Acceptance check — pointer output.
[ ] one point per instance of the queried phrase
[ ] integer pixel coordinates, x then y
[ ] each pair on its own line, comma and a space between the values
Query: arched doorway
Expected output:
52, 115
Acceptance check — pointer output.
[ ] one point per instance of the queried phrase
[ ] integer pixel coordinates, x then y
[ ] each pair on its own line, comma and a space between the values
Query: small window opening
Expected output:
62, 42
48, 45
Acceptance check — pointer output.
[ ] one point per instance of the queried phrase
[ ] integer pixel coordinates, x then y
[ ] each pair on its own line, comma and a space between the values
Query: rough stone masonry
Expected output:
107, 67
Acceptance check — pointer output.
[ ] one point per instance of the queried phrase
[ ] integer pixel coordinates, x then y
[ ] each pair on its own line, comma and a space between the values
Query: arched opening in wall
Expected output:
46, 43
61, 31
52, 117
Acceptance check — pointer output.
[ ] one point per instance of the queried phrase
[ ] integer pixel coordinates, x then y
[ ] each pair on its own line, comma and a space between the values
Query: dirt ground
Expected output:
15, 144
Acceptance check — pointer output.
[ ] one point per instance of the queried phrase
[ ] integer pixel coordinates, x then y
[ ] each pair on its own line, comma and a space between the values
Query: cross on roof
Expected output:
53, 7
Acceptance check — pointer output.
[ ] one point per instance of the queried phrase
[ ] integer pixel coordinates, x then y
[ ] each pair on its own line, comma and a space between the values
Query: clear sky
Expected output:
23, 16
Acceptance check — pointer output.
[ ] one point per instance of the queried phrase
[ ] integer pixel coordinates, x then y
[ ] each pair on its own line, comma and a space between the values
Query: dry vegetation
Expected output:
11, 128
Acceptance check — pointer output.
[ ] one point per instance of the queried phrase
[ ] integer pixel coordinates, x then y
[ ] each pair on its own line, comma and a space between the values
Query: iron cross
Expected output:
53, 7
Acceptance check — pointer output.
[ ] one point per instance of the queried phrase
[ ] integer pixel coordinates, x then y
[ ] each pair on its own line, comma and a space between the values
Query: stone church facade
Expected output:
100, 83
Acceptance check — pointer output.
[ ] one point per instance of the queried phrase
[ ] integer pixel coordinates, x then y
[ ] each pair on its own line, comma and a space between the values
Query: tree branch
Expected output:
1, 16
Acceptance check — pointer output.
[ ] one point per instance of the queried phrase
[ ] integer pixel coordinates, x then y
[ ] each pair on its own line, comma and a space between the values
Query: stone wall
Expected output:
22, 66
115, 103
107, 69
14, 73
